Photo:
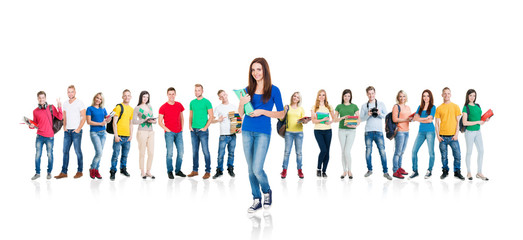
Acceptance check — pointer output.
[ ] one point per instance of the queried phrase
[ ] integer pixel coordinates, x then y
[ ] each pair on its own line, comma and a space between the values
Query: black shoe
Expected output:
180, 174
218, 174
324, 174
124, 172
414, 174
318, 173
170, 174
457, 174
444, 174
231, 171
113, 173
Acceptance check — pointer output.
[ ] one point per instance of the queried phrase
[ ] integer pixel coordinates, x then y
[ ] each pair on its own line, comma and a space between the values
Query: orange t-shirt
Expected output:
404, 113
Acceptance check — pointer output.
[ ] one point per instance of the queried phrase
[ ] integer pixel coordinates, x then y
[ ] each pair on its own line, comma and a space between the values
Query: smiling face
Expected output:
446, 95
223, 97
426, 98
198, 91
321, 96
346, 98
171, 95
126, 97
145, 98
97, 100
42, 99
402, 99
472, 97
371, 94
257, 71
71, 93
296, 99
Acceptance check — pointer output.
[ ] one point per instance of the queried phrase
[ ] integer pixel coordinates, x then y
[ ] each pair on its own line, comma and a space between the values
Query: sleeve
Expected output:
136, 119
116, 111
364, 113
302, 112
417, 109
458, 113
105, 112
181, 108
82, 105
356, 106
162, 110
383, 110
464, 109
131, 114
277, 98
57, 113
209, 105
190, 105
88, 111
395, 113
437, 114
337, 109
34, 117
433, 111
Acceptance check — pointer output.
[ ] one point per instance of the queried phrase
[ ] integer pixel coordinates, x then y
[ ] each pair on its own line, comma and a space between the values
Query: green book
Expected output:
322, 115
247, 107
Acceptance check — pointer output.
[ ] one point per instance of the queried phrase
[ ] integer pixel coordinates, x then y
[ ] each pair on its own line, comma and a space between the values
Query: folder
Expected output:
247, 107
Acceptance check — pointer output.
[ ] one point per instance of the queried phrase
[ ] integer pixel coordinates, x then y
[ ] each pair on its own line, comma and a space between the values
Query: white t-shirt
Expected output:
223, 110
72, 113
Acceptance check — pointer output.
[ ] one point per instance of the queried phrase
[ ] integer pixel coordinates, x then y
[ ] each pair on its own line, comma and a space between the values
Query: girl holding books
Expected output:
347, 113
472, 120
321, 113
400, 115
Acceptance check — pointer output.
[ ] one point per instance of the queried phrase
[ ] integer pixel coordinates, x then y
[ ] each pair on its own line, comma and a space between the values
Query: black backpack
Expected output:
462, 127
109, 127
57, 123
391, 126
281, 125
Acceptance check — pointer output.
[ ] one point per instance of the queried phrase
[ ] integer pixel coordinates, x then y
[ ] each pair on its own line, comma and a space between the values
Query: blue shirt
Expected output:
97, 115
262, 124
427, 127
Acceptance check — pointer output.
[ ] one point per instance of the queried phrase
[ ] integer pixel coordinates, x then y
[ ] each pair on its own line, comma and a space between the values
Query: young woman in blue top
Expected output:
256, 128
96, 117
425, 115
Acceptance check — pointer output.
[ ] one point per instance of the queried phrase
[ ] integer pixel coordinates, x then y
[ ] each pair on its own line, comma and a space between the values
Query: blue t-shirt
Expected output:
262, 124
427, 127
97, 115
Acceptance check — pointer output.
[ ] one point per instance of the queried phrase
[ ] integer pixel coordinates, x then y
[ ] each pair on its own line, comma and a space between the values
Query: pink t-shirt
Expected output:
171, 116
405, 113
43, 119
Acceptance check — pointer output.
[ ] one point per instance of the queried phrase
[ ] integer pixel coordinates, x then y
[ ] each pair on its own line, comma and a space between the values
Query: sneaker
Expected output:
170, 175
403, 172
36, 176
457, 174
397, 174
91, 173
368, 173
318, 173
230, 170
414, 174
180, 174
113, 173
428, 175
267, 199
218, 174
49, 176
387, 176
444, 174
256, 205
124, 172
324, 174
283, 174
300, 174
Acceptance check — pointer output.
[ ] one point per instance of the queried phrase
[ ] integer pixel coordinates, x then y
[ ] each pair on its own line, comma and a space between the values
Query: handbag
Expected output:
57, 124
281, 125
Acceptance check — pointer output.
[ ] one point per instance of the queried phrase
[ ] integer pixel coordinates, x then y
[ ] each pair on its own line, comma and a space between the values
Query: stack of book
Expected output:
236, 122
351, 121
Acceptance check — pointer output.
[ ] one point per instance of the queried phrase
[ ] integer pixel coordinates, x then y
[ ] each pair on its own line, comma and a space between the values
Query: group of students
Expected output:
256, 131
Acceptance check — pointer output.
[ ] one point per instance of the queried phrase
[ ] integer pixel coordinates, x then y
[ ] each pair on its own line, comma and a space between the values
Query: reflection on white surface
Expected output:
259, 229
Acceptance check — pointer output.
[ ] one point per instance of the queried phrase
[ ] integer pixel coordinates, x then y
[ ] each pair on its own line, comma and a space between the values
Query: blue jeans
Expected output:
443, 147
255, 146
228, 141
125, 146
177, 139
323, 137
401, 140
297, 137
377, 137
49, 143
98, 139
198, 136
422, 136
72, 138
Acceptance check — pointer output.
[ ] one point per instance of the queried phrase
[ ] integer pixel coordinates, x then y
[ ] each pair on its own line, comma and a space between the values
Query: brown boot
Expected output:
78, 175
192, 174
206, 175
61, 175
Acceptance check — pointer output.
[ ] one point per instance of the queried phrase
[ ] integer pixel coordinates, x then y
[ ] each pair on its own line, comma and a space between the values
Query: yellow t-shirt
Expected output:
322, 110
123, 127
447, 113
293, 115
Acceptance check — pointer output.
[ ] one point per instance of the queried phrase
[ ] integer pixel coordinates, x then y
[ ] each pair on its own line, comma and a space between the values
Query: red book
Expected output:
412, 115
487, 115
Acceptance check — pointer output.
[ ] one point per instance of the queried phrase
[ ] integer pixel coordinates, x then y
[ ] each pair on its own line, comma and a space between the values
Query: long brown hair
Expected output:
317, 105
343, 94
267, 83
470, 91
422, 105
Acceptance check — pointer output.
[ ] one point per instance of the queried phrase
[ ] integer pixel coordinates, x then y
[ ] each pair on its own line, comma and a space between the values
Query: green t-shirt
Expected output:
199, 112
475, 115
345, 110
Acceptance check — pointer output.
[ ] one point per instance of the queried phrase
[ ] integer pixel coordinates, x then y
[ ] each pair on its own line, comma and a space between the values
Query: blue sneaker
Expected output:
255, 205
267, 199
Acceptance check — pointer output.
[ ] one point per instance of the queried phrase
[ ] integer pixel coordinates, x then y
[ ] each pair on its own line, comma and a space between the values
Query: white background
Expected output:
108, 46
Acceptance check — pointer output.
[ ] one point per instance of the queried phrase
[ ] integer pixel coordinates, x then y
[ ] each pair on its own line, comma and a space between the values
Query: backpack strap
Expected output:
121, 112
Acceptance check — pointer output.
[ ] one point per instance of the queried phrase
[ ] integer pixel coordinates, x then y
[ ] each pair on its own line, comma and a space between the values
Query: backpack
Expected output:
109, 127
462, 127
391, 126
281, 125
56, 123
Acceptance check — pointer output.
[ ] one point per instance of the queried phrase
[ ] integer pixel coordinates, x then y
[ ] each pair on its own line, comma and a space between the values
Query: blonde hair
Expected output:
198, 85
299, 96
398, 96
71, 86
101, 103
317, 105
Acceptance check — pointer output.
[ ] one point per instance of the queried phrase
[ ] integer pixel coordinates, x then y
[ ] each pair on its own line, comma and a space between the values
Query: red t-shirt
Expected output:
42, 117
171, 116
